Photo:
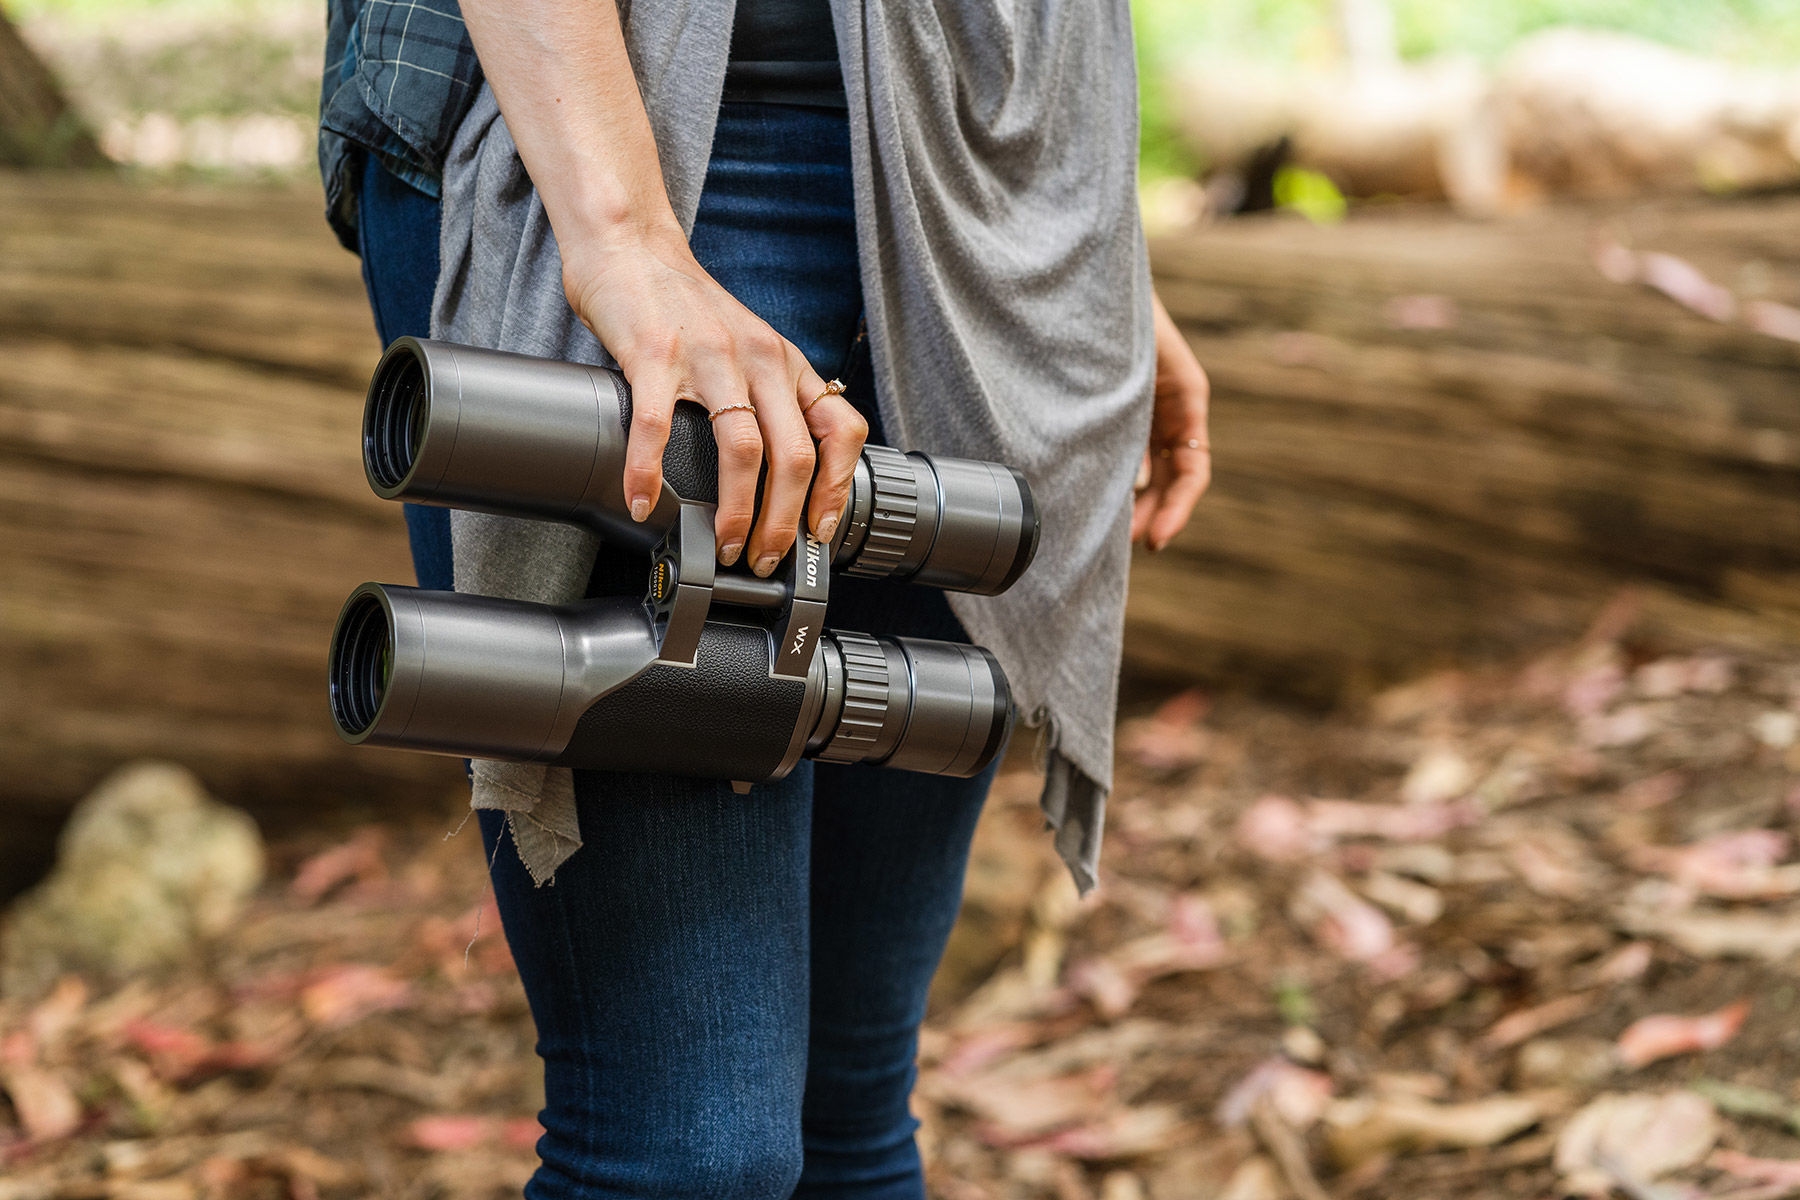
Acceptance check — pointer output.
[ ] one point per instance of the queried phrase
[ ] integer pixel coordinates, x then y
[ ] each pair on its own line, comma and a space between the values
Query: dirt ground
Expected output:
1517, 932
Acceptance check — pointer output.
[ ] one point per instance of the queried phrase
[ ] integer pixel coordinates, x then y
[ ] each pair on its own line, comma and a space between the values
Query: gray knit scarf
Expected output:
1007, 291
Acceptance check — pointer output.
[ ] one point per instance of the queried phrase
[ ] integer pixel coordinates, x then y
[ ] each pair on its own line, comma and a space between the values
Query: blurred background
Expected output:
1459, 771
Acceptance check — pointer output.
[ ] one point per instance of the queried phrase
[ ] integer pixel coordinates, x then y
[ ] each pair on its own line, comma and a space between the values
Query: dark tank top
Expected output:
784, 52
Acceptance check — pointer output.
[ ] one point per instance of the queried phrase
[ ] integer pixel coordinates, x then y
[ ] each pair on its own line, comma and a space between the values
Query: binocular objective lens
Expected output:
395, 419
362, 665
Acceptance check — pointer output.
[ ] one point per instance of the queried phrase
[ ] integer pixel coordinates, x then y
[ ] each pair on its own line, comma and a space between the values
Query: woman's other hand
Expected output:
1178, 463
566, 88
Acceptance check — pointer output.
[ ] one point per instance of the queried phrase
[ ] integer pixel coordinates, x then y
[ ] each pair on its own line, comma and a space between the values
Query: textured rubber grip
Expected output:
725, 717
691, 461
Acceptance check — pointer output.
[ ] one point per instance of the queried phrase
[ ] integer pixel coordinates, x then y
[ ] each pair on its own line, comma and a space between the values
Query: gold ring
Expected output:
834, 388
719, 412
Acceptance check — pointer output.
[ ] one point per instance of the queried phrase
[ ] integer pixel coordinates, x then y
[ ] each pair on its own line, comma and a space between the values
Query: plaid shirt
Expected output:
399, 75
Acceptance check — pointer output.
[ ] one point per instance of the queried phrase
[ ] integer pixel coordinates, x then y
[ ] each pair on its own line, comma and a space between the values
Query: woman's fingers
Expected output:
840, 432
789, 450
735, 429
1175, 504
653, 393
1143, 505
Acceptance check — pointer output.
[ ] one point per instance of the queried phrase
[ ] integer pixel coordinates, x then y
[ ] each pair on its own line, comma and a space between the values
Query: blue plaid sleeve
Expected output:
399, 75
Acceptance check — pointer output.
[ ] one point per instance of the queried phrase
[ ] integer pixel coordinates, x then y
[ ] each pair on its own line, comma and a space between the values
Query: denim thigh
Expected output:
397, 236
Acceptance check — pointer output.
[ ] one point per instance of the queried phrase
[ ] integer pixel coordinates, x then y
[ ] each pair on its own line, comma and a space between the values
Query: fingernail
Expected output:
827, 527
640, 507
766, 564
729, 554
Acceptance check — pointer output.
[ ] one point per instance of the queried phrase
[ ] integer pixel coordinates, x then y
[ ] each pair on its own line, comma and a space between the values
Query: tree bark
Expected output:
38, 128
1436, 439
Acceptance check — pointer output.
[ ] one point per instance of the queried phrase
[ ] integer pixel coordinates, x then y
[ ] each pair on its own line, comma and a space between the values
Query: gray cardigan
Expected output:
994, 149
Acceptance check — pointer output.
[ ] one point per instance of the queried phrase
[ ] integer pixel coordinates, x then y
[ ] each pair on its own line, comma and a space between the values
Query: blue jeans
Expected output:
728, 989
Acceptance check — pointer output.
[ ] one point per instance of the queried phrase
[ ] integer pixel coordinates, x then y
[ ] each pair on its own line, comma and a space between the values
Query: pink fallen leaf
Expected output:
351, 992
1769, 936
521, 1133
1550, 865
1365, 1128
1741, 865
1623, 727
476, 939
1016, 1110
1527, 1023
1104, 984
42, 1100
1669, 677
1297, 1094
1666, 1035
356, 860
1126, 1133
1784, 1172
1342, 921
1776, 320
1653, 791
1172, 739
986, 1045
1439, 774
180, 1055
1591, 690
1626, 963
1423, 821
452, 1133
1640, 1135
1684, 283
56, 1014
1276, 828
1190, 941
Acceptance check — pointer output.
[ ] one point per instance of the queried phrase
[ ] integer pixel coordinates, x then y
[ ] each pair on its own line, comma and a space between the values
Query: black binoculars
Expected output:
711, 672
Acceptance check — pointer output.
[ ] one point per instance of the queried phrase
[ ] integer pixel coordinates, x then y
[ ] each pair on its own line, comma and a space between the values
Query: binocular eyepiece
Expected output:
711, 673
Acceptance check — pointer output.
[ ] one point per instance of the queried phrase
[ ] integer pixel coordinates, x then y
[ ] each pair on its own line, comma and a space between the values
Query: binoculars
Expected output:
711, 672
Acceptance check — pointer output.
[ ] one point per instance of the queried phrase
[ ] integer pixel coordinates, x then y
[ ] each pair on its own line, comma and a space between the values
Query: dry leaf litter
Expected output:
1522, 932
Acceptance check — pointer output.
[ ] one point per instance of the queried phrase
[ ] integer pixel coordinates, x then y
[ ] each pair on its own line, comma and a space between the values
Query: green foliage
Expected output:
1294, 1001
1303, 32
1310, 194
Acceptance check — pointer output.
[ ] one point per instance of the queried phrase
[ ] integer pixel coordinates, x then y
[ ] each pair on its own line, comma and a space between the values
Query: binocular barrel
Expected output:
505, 433
580, 685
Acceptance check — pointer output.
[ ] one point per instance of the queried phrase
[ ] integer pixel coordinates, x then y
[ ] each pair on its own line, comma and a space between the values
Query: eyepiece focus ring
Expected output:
867, 694
894, 521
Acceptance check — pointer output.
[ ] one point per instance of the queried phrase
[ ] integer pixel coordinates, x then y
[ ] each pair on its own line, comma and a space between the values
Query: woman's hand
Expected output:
1178, 464
678, 336
566, 88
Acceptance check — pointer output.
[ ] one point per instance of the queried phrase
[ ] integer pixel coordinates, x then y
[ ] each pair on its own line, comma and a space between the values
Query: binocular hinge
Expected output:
685, 583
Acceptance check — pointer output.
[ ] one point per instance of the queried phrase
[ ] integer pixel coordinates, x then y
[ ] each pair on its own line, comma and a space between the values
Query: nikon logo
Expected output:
812, 563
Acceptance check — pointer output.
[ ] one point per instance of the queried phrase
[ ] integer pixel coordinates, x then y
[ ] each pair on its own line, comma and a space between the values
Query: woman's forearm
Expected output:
565, 84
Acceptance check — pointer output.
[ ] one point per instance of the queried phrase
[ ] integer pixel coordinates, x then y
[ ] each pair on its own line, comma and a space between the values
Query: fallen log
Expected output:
1436, 439
180, 394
